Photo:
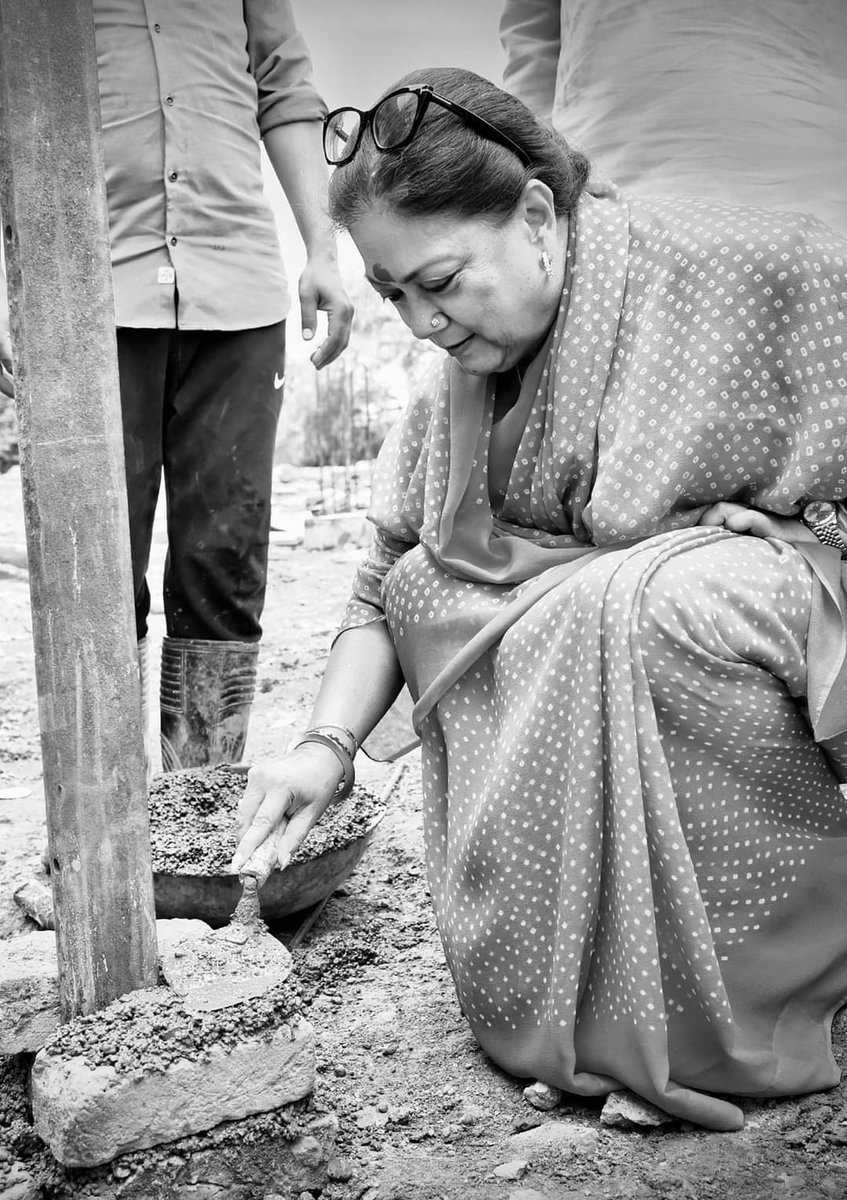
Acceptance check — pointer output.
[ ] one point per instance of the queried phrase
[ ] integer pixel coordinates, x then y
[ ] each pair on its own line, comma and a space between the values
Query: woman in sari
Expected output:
590, 565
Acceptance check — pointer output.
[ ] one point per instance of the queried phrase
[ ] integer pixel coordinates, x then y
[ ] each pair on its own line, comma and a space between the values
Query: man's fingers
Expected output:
308, 315
339, 323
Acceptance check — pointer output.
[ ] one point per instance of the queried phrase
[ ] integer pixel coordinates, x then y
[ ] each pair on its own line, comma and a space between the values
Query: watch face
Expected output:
817, 511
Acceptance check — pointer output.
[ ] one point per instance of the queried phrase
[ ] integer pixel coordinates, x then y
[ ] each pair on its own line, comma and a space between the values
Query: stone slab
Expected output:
90, 1115
29, 983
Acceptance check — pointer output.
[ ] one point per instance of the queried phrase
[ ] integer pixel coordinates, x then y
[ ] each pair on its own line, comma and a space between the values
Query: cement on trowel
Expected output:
227, 966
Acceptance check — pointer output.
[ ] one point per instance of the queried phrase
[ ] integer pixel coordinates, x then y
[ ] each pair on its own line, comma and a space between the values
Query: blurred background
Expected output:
358, 48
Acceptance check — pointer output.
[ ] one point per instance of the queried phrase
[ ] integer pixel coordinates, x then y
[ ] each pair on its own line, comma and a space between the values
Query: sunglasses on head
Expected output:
395, 120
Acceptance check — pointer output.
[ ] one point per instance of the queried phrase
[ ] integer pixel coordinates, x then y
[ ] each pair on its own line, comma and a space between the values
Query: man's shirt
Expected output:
187, 88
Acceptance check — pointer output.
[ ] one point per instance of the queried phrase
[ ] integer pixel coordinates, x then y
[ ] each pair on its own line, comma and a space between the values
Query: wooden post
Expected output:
55, 232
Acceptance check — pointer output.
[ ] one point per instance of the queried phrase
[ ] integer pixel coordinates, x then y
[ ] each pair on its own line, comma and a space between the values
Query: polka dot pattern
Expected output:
637, 852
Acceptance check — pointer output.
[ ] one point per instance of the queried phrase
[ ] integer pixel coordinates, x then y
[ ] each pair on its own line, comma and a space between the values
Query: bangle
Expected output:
341, 729
345, 784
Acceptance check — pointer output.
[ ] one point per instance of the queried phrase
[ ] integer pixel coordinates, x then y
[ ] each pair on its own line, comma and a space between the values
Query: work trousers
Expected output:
200, 408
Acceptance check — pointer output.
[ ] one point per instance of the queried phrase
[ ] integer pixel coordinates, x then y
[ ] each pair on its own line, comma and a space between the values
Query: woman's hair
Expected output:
449, 168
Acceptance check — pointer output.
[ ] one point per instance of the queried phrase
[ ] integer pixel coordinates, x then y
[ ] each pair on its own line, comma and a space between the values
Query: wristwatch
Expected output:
821, 516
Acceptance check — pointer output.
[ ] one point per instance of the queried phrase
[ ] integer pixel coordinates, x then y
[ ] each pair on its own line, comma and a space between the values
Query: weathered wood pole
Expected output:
55, 232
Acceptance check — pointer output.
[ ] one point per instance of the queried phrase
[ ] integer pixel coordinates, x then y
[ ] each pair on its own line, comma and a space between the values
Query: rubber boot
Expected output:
206, 693
146, 680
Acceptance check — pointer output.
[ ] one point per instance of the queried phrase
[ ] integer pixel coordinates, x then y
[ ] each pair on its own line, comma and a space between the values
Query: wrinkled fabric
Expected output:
634, 841
736, 100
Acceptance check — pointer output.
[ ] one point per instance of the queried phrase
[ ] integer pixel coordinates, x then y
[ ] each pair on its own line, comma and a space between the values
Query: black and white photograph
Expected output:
423, 600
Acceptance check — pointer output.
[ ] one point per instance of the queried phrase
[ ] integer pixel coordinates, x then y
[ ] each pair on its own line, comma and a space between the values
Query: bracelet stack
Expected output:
343, 744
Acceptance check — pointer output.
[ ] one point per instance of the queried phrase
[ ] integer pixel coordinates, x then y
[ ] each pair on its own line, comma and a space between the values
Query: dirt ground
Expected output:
423, 1113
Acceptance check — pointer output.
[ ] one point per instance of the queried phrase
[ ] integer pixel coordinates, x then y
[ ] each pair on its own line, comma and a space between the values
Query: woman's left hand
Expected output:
739, 519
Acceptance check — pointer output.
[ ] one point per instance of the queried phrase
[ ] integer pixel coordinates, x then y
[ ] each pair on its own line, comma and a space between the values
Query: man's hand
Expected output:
321, 289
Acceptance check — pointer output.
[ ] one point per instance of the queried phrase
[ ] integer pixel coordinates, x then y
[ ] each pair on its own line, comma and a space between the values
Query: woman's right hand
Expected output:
283, 800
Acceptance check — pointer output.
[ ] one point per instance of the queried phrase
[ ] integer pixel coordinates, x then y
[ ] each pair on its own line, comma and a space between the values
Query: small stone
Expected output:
339, 1170
560, 1137
419, 1135
307, 1151
512, 1171
626, 1110
340, 1071
542, 1096
371, 1118
525, 1194
35, 898
400, 1114
471, 1114
382, 1106
18, 1184
121, 1171
797, 1137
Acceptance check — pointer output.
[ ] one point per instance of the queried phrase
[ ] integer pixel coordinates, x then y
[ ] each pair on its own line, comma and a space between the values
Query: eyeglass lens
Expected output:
393, 119
341, 133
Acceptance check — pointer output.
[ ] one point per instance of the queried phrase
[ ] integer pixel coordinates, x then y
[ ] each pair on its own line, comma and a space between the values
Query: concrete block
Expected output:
89, 1115
29, 984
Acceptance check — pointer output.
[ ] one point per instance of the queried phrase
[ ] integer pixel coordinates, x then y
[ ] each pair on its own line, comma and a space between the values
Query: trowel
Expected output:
237, 962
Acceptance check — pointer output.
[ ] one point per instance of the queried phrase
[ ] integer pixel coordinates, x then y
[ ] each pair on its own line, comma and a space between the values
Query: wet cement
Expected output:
193, 821
151, 1028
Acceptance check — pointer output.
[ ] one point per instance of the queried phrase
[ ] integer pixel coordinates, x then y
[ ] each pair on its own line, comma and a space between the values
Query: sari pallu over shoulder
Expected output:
685, 330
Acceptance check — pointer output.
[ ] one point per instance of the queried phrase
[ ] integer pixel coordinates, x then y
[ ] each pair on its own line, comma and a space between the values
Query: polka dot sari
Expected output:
637, 847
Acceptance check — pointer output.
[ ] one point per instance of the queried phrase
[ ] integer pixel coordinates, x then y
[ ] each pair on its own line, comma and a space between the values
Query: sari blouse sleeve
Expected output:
398, 501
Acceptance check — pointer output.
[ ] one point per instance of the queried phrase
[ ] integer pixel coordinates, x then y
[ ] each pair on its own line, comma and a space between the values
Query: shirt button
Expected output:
173, 176
173, 241
157, 28
169, 99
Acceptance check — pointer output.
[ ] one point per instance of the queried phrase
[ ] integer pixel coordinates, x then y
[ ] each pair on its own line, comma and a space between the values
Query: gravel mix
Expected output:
193, 821
149, 1029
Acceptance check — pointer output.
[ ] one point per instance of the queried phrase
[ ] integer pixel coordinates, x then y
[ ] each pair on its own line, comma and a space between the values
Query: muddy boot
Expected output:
205, 697
146, 678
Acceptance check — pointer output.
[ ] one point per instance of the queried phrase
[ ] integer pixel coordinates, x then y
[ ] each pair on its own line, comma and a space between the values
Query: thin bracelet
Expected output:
341, 729
345, 785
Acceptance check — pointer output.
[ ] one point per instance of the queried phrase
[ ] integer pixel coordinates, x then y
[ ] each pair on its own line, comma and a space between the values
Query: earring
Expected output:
547, 264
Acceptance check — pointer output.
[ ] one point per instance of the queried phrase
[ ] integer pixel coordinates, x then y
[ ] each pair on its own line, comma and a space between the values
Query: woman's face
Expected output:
485, 282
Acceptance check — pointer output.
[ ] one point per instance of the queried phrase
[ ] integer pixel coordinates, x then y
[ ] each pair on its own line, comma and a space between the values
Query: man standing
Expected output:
188, 92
